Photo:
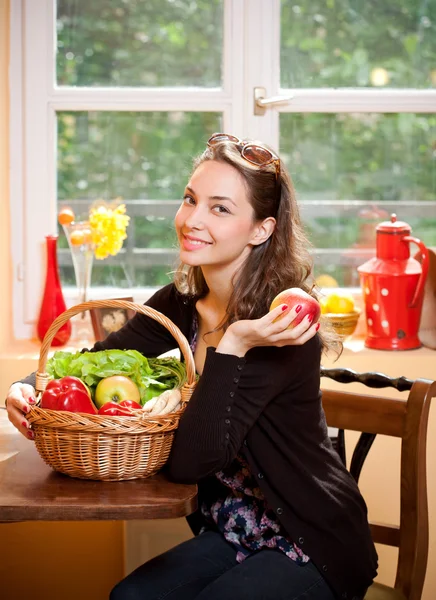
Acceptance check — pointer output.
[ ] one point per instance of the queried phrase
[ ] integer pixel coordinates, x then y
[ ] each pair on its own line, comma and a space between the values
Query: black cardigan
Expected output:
267, 406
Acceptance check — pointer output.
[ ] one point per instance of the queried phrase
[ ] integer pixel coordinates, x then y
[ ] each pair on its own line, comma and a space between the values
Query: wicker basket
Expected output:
344, 324
103, 447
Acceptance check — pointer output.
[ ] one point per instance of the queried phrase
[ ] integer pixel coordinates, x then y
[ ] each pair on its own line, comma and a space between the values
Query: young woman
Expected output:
279, 516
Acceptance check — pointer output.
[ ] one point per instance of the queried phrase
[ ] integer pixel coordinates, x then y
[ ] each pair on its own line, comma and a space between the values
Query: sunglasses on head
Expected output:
253, 153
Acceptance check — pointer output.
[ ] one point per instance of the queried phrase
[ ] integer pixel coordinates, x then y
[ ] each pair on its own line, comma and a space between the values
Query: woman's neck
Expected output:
219, 280
219, 293
220, 290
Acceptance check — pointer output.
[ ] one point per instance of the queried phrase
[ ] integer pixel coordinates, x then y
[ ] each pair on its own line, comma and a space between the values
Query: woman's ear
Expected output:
263, 231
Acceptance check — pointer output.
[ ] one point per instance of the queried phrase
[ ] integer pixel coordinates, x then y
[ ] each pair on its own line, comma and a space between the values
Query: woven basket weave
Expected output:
102, 447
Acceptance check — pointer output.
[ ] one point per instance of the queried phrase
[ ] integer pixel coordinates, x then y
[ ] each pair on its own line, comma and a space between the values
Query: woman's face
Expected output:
215, 223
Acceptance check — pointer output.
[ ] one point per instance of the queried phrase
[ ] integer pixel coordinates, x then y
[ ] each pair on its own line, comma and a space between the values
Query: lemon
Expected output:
325, 280
340, 303
323, 305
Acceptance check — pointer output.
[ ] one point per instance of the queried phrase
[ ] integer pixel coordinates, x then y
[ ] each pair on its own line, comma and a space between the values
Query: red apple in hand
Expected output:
295, 296
115, 389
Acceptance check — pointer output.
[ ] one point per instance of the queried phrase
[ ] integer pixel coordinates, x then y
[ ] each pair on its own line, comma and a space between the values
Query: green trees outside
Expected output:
139, 43
339, 43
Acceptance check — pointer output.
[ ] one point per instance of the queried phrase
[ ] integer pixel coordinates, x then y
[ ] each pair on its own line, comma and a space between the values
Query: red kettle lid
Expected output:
393, 226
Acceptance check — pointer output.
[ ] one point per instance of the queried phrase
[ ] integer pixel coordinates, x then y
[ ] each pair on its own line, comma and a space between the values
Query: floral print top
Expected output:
243, 515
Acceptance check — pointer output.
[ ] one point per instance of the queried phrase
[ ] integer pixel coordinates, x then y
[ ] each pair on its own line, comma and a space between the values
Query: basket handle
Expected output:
42, 377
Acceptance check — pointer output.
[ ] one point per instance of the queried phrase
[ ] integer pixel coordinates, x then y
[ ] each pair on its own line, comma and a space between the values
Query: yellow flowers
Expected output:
104, 232
108, 229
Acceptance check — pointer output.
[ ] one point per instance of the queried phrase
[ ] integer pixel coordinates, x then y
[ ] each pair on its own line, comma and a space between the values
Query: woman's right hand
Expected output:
273, 329
20, 396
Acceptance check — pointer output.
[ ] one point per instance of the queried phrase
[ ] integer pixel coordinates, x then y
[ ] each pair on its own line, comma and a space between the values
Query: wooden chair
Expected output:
406, 419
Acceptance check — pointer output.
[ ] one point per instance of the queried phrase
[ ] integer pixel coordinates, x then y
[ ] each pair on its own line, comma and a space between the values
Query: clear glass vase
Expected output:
78, 235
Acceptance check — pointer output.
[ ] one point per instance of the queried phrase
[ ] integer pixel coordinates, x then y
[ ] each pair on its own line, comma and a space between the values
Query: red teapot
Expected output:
393, 288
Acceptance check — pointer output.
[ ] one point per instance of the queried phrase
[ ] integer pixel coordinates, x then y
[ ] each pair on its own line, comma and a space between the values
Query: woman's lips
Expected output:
189, 243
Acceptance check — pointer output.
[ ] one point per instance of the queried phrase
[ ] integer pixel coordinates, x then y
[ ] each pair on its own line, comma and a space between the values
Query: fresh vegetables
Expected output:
119, 409
130, 404
167, 402
68, 393
152, 375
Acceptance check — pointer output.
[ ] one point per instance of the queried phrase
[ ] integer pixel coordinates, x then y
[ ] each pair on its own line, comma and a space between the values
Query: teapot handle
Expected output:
424, 267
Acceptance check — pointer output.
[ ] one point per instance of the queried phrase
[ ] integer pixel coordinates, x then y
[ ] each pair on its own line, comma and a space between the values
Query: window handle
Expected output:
261, 103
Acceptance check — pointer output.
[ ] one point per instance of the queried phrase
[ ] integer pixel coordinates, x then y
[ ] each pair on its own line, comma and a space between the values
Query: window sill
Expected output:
29, 350
395, 363
357, 345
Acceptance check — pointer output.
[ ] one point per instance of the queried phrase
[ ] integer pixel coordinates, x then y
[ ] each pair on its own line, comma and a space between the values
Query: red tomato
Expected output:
113, 409
130, 404
68, 393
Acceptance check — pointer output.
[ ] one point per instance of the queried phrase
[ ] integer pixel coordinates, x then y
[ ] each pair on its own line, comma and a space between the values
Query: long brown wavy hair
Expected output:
281, 262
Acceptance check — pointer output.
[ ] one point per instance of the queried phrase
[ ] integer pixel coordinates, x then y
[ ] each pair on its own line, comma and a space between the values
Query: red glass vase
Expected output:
53, 302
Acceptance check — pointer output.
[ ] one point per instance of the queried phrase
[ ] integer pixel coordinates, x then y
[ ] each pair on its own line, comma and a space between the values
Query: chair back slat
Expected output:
388, 535
360, 412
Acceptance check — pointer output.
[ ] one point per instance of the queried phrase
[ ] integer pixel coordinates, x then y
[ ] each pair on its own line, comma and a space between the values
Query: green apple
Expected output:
116, 389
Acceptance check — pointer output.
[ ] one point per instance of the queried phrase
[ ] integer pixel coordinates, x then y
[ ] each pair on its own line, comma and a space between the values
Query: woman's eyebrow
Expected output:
219, 198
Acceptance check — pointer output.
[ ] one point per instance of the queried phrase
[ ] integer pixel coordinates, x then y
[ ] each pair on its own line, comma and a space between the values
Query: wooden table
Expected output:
30, 490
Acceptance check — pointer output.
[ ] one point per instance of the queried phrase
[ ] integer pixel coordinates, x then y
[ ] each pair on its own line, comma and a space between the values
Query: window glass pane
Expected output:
351, 171
145, 159
135, 43
344, 43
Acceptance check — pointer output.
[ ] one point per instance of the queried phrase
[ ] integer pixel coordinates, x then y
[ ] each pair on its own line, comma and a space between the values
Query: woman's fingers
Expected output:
21, 395
18, 399
281, 317
276, 328
306, 335
18, 420
28, 392
297, 335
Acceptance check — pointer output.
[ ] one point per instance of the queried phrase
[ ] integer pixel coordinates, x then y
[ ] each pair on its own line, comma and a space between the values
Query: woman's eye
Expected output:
188, 199
220, 208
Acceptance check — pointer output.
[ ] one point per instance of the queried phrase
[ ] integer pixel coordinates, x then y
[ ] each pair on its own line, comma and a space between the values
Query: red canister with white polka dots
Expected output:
393, 288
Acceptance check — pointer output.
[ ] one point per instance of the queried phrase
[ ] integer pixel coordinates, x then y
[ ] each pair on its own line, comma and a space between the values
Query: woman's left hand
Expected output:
269, 330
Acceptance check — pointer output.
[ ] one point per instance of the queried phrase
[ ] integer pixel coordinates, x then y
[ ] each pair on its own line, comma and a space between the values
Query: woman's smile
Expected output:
191, 243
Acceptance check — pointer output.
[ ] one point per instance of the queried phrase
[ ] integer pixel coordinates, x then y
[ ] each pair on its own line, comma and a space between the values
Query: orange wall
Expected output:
5, 274
45, 560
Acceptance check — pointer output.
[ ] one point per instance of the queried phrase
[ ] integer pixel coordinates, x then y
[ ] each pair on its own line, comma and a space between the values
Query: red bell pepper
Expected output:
113, 409
70, 394
130, 404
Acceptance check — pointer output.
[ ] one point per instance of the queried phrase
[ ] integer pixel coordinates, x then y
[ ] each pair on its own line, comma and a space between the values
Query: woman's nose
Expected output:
195, 219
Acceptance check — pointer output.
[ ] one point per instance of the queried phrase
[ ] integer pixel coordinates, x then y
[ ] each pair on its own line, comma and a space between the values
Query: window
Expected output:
113, 99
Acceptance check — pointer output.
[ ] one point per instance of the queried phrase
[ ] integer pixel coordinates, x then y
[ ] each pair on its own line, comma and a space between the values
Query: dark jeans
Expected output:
205, 568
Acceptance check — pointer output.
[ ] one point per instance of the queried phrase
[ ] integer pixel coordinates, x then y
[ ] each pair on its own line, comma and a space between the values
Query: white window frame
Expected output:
263, 69
251, 58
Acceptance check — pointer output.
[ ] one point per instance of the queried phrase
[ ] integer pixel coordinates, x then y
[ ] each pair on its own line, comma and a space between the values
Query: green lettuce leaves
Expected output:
152, 375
